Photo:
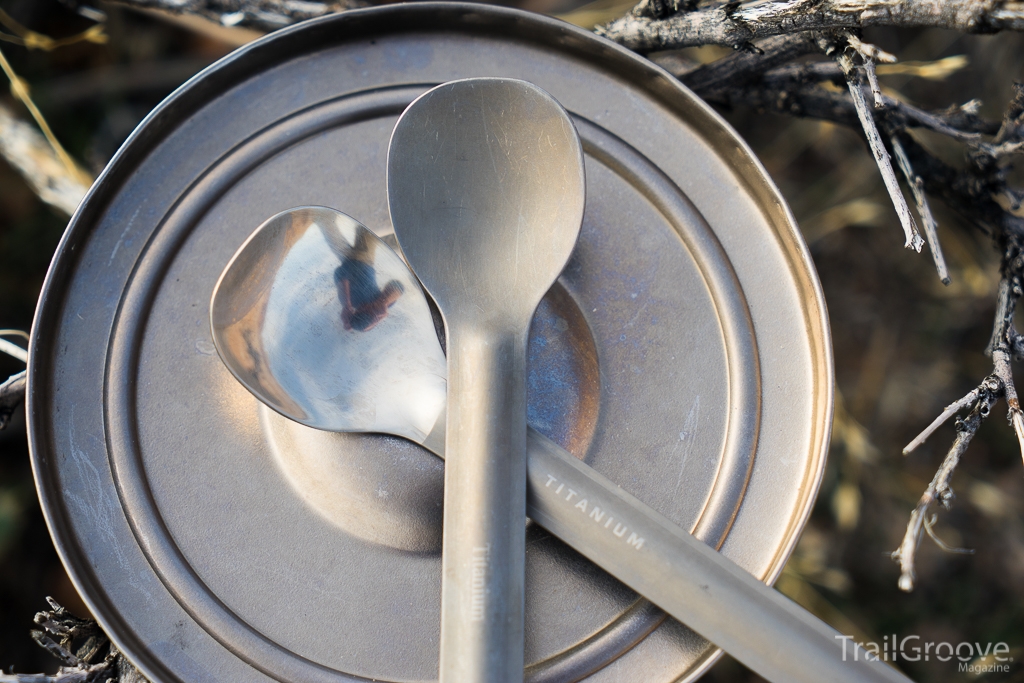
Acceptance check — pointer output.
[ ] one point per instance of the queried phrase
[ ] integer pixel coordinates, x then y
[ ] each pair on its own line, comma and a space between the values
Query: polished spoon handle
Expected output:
697, 585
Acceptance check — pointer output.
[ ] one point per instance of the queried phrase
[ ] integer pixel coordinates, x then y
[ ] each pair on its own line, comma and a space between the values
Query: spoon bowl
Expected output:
327, 326
486, 190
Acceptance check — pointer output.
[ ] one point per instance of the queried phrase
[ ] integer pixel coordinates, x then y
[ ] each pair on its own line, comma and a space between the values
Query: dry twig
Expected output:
78, 644
980, 400
763, 74
878, 150
29, 152
952, 409
262, 15
939, 488
12, 393
924, 210
19, 88
672, 24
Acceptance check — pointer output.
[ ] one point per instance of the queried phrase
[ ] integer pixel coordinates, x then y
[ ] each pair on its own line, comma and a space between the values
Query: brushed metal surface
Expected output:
155, 467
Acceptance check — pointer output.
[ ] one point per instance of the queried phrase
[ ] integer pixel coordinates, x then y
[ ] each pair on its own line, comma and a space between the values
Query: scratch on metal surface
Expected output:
120, 239
687, 437
103, 517
636, 315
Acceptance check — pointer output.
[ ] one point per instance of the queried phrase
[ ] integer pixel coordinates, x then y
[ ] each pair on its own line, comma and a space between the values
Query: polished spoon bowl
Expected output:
324, 323
486, 191
277, 316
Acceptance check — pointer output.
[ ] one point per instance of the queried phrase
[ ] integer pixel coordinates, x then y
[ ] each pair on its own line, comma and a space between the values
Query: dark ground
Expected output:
905, 345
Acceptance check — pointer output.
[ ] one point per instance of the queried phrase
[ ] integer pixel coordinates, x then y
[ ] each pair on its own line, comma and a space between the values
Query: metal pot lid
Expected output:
684, 353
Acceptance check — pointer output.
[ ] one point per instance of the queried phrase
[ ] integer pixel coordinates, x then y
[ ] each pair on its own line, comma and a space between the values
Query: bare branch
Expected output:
972, 193
263, 15
76, 642
1001, 362
1006, 299
869, 51
869, 55
924, 210
744, 67
975, 193
876, 90
928, 523
939, 488
867, 121
951, 410
12, 393
998, 384
786, 90
978, 194
732, 26
1003, 150
66, 657
966, 128
27, 150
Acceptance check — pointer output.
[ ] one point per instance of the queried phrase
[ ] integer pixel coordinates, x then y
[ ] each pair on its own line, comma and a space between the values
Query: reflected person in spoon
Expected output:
364, 304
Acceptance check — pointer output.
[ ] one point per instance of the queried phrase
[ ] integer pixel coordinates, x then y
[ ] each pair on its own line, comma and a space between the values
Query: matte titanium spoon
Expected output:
486, 191
326, 325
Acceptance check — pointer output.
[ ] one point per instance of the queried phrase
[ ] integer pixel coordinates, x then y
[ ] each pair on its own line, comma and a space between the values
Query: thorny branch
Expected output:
924, 210
939, 488
877, 145
673, 24
766, 76
980, 401
78, 644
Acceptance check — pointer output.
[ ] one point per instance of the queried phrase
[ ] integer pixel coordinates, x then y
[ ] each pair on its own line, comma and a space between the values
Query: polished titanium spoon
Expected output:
486, 192
279, 323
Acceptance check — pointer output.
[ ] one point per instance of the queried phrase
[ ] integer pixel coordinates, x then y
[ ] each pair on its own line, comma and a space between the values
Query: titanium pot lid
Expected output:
684, 353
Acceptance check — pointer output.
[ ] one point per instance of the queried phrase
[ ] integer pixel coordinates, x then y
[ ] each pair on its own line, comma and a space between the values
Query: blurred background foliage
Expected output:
905, 345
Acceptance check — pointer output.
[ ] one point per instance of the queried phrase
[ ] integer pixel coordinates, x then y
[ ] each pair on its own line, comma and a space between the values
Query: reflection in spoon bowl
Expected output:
306, 277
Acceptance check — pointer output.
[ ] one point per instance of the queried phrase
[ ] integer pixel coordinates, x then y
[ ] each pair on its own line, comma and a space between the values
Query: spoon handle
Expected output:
483, 565
753, 622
